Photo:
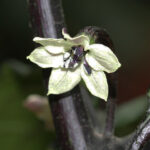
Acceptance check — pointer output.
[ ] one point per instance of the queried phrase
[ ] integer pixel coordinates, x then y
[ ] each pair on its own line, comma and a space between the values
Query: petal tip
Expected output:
104, 97
27, 57
119, 65
36, 39
64, 30
115, 68
48, 93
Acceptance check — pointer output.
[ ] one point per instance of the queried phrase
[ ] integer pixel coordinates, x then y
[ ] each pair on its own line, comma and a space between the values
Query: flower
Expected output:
73, 59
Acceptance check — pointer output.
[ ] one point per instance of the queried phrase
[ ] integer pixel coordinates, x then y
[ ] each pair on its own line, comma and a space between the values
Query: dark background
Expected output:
127, 22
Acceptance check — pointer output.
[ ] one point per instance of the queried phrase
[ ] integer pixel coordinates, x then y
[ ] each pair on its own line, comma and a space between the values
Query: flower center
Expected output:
74, 57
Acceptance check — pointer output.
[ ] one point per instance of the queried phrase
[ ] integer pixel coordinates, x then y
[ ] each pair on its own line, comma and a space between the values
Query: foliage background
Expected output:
128, 23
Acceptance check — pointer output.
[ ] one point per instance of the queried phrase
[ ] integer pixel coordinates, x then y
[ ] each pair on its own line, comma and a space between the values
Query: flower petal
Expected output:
63, 80
65, 34
44, 59
96, 82
78, 40
54, 46
100, 57
94, 63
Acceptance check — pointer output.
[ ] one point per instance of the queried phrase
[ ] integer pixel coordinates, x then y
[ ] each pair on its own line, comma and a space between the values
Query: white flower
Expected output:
73, 59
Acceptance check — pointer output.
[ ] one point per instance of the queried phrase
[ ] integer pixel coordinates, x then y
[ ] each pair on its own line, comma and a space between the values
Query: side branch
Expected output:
142, 135
141, 138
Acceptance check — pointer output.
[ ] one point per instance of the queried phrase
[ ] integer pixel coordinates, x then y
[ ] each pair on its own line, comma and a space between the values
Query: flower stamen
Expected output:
73, 57
87, 67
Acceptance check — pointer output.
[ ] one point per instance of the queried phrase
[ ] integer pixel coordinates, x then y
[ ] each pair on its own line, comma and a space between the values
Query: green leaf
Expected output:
19, 129
128, 115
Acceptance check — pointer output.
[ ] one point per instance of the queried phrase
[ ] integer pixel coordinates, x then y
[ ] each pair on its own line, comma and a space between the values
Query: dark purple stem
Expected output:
47, 21
101, 36
111, 105
109, 127
72, 123
74, 128
142, 135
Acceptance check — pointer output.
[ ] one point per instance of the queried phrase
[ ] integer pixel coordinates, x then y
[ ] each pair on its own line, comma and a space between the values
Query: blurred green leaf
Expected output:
19, 129
128, 115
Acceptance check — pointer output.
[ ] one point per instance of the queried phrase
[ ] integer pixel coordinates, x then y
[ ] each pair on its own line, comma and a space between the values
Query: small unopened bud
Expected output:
39, 105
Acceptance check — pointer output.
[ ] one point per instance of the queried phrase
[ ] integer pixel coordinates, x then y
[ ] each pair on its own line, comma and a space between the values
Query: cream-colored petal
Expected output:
63, 80
65, 34
94, 64
78, 40
54, 46
96, 82
100, 57
44, 59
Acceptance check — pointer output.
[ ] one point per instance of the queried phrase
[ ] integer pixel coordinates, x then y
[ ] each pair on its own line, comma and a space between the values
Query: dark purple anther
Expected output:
75, 58
87, 67
79, 51
71, 64
77, 54
73, 61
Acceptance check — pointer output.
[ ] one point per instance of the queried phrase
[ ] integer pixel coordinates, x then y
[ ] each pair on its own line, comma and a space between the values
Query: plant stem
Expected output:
109, 127
71, 121
47, 21
111, 105
142, 135
102, 37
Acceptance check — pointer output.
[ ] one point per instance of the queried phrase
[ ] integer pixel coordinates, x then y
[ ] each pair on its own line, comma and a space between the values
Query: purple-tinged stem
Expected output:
102, 37
142, 135
73, 128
